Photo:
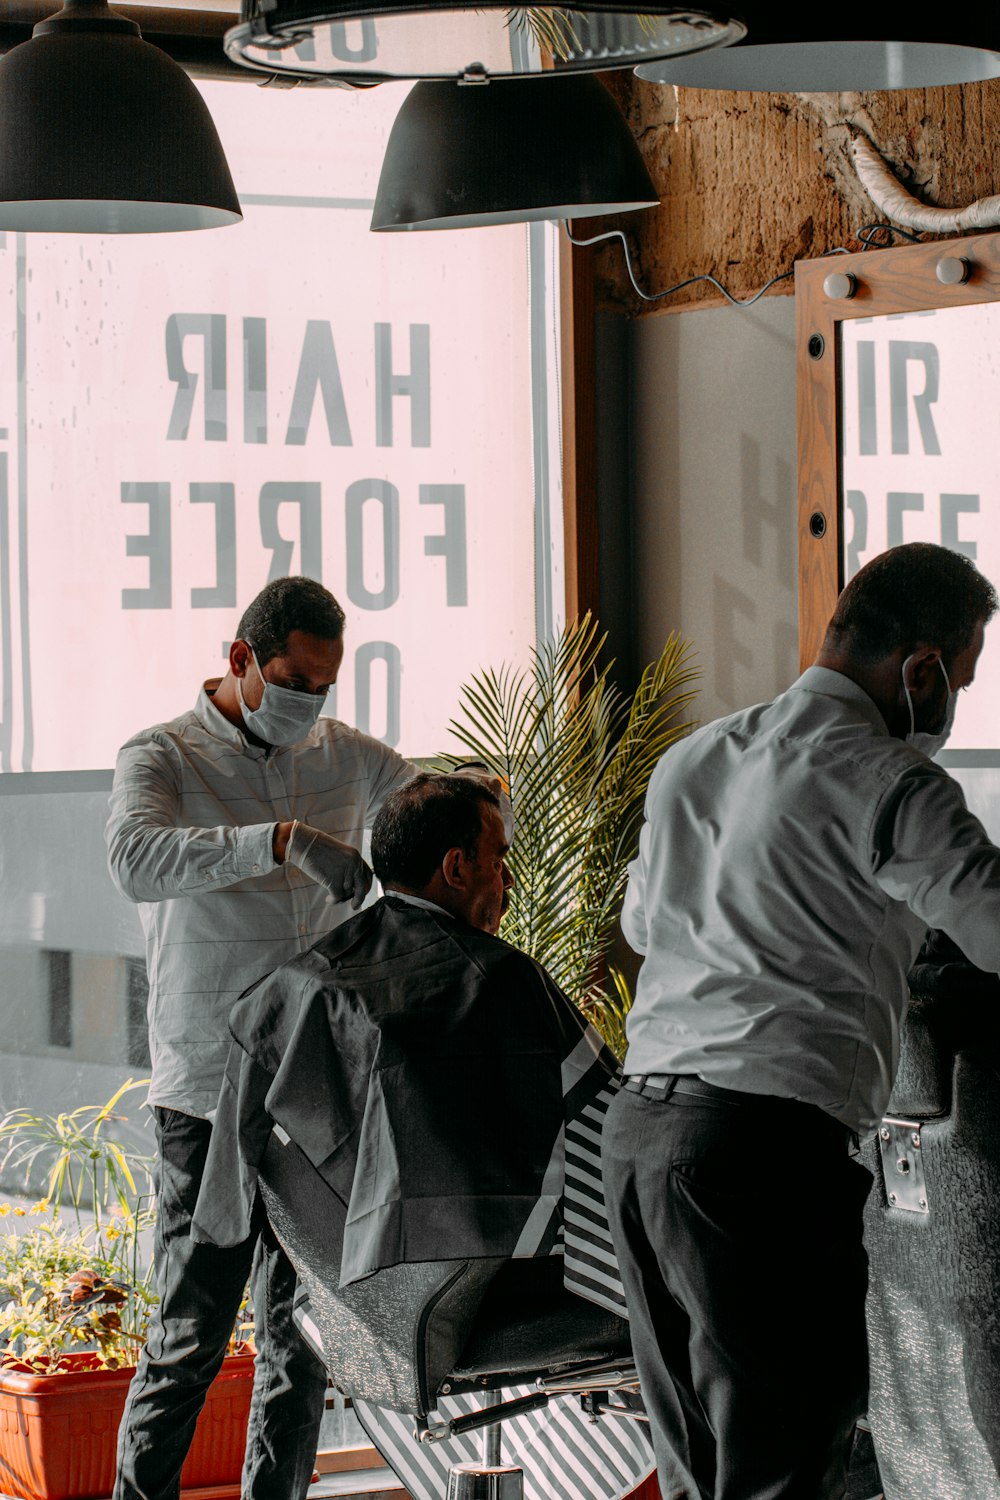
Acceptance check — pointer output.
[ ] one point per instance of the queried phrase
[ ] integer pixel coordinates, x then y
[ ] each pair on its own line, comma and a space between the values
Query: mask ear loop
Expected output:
245, 709
260, 674
909, 700
239, 683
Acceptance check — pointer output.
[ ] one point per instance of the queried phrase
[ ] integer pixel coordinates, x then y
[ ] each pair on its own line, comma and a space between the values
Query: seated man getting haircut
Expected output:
424, 1066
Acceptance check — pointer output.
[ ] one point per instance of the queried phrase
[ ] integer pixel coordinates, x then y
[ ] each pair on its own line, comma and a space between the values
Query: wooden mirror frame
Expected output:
830, 291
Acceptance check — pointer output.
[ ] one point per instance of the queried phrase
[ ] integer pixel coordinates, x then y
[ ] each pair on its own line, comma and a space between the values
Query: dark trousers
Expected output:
200, 1289
738, 1231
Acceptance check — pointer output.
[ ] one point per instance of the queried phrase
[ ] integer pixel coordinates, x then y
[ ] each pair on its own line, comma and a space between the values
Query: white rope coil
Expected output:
900, 207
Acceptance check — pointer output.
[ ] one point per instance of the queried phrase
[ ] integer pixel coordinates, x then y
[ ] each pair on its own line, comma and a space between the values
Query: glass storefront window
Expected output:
184, 417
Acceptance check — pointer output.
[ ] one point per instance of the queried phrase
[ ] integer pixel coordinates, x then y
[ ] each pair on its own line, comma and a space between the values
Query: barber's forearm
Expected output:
152, 855
151, 863
942, 864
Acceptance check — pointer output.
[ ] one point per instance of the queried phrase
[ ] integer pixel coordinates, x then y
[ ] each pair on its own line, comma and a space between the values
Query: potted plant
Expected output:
75, 1296
576, 754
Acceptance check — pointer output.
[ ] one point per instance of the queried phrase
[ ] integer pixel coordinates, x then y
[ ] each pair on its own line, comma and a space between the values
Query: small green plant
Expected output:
78, 1281
71, 1290
79, 1285
81, 1161
576, 754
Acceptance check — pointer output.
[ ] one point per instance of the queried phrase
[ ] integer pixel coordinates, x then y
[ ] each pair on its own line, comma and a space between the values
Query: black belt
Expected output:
660, 1086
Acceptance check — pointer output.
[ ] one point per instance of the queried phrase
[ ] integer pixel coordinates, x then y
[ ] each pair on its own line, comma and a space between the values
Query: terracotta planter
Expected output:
58, 1432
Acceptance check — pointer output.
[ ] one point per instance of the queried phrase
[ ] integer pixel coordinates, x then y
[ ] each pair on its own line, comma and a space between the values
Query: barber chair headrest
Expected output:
938, 1026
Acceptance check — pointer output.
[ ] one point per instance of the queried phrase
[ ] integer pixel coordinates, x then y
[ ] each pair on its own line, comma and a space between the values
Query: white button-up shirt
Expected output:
793, 856
193, 811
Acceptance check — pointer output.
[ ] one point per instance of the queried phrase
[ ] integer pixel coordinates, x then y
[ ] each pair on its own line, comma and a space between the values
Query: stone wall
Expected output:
750, 183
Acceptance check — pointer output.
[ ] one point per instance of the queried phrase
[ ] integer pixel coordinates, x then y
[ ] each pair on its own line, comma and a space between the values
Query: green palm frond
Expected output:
555, 29
576, 755
607, 1008
552, 28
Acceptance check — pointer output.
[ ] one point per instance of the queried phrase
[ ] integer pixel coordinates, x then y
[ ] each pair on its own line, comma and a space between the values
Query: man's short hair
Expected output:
421, 820
288, 604
916, 592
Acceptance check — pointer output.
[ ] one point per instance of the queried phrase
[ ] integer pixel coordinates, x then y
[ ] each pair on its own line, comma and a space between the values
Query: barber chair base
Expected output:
469, 1482
559, 1449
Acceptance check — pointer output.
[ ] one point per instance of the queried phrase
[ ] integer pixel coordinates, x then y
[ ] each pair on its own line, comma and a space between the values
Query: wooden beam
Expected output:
579, 428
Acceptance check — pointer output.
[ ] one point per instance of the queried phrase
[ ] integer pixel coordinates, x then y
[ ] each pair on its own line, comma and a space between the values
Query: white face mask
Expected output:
284, 716
930, 744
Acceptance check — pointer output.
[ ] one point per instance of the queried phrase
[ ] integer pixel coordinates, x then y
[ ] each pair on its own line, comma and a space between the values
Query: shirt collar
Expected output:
219, 726
419, 901
827, 683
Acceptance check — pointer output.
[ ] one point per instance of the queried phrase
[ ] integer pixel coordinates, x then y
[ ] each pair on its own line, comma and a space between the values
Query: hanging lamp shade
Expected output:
791, 49
459, 157
103, 133
370, 41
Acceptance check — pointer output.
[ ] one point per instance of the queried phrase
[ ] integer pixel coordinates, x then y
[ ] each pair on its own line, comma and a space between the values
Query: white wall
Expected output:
713, 495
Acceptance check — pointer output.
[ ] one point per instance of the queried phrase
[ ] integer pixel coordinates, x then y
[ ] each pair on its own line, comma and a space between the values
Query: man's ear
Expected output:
922, 670
453, 869
240, 657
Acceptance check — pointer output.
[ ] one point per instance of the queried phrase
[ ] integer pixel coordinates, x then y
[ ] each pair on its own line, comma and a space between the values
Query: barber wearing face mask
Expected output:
237, 829
793, 856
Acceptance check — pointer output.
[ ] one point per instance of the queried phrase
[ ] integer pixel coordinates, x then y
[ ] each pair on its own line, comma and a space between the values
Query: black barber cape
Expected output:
428, 1071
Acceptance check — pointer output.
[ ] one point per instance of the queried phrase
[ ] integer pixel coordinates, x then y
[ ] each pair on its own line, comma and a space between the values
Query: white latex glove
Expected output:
329, 862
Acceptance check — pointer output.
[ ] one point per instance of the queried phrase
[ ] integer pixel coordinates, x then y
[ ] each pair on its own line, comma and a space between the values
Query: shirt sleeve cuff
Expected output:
255, 850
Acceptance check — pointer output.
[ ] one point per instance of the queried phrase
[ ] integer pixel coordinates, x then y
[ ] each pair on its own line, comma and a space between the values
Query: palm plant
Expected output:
576, 754
553, 29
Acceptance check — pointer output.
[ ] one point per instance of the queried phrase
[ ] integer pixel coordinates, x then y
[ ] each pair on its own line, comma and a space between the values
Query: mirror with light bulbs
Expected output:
898, 389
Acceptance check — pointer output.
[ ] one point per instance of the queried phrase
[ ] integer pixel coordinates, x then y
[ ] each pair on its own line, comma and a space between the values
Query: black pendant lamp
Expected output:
509, 152
370, 41
792, 49
102, 133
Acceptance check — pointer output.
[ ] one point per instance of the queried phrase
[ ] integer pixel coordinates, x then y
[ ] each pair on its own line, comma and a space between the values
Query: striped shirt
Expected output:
193, 811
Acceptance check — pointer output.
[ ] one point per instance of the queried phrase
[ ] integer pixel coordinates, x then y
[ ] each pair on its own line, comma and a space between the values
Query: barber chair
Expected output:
436, 1355
932, 1228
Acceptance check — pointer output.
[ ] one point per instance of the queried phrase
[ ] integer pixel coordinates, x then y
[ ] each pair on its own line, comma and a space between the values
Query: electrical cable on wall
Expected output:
619, 234
865, 236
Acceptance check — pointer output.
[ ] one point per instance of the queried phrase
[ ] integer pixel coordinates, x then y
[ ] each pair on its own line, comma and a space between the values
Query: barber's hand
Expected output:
329, 862
481, 772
